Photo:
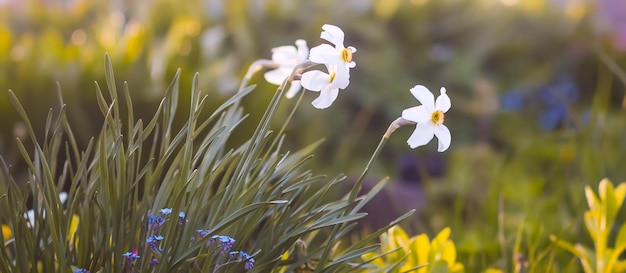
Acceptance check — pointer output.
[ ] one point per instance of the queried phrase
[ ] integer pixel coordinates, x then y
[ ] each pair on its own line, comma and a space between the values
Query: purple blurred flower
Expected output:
612, 17
81, 270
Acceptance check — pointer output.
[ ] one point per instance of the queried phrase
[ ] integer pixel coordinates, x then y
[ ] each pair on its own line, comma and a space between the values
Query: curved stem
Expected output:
399, 122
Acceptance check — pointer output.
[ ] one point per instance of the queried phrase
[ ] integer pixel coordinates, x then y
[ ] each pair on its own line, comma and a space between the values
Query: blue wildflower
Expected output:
512, 100
249, 264
166, 211
155, 221
226, 242
153, 241
557, 96
202, 232
181, 218
243, 256
81, 270
131, 256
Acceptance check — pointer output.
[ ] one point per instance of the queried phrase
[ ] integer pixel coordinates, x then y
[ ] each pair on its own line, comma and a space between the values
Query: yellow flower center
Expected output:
437, 117
346, 55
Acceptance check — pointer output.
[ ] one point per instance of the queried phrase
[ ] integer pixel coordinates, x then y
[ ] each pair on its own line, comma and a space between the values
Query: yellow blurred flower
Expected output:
417, 253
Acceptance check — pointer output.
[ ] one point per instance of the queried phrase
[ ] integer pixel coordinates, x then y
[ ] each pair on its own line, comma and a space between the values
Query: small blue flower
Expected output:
202, 232
166, 211
243, 256
153, 241
181, 218
155, 221
131, 256
249, 264
226, 242
81, 270
556, 97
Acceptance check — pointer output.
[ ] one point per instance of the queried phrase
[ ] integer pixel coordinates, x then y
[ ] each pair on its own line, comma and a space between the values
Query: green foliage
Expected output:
600, 222
415, 254
256, 193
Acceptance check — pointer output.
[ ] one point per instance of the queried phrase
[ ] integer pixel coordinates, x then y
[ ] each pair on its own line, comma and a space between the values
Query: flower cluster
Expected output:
338, 60
225, 244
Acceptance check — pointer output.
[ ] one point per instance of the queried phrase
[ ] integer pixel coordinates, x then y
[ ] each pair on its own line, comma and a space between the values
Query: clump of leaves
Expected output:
157, 196
599, 221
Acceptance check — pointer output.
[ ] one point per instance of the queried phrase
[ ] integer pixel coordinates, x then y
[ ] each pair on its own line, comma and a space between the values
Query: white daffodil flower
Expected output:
327, 54
287, 57
429, 118
327, 84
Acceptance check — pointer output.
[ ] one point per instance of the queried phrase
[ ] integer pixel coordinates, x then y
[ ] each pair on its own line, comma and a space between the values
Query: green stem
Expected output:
284, 127
353, 194
359, 182
399, 122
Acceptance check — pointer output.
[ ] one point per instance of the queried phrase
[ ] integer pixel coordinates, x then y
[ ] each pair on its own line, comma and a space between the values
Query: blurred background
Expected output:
537, 90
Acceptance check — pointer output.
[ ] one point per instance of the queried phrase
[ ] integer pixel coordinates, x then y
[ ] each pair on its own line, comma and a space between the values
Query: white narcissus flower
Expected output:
327, 84
287, 57
429, 118
338, 61
327, 54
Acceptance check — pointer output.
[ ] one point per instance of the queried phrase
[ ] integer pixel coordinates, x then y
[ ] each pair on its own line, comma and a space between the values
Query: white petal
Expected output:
332, 34
417, 114
294, 89
284, 54
443, 101
443, 134
326, 98
303, 50
423, 95
325, 54
342, 76
314, 80
276, 76
423, 133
